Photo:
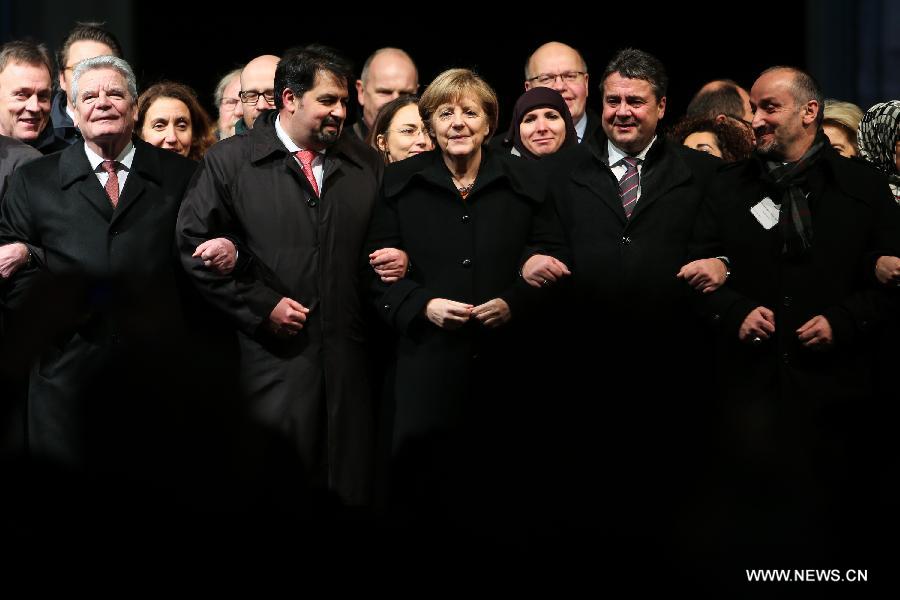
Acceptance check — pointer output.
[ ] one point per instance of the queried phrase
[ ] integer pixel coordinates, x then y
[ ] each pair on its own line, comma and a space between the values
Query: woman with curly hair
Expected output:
719, 138
171, 117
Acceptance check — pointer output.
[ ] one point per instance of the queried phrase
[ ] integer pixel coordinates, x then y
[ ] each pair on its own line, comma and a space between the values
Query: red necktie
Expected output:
306, 159
112, 183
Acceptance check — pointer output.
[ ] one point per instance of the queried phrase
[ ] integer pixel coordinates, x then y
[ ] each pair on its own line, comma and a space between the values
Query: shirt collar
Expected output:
581, 126
616, 155
125, 157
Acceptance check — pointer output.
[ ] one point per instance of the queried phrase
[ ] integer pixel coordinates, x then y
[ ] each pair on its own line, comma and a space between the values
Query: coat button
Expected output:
786, 358
387, 307
114, 232
466, 263
716, 317
786, 301
626, 240
312, 203
465, 218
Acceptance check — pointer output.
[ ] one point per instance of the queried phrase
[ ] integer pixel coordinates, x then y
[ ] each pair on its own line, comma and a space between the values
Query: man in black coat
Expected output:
803, 228
562, 68
95, 226
619, 217
293, 197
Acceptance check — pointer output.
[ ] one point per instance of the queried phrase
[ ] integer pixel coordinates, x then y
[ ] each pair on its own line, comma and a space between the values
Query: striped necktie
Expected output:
629, 184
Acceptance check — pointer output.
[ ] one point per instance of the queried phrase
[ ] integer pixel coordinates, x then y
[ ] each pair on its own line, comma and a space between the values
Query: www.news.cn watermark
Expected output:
807, 575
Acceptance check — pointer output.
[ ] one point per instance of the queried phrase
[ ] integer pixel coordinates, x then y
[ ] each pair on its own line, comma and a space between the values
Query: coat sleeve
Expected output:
724, 309
866, 310
206, 213
403, 302
17, 225
548, 235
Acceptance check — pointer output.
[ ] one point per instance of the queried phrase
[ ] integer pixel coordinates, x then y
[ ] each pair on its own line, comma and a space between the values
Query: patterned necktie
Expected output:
628, 185
112, 182
306, 159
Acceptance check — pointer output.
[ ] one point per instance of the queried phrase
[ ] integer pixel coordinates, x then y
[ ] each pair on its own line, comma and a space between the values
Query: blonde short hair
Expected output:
453, 84
843, 115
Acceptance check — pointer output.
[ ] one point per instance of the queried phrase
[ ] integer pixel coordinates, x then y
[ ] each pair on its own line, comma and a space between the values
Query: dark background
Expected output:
852, 47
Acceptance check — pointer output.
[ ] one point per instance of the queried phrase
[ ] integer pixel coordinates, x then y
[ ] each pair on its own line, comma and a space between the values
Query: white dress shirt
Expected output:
125, 158
617, 161
318, 163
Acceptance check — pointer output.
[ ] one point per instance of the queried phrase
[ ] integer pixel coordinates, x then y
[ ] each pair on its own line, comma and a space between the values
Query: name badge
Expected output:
766, 212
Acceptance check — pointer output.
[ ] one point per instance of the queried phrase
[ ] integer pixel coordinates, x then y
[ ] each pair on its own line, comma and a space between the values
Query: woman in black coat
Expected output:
463, 215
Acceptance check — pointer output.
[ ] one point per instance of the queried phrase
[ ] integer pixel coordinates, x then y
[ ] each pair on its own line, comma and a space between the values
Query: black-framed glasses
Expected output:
749, 124
566, 77
251, 97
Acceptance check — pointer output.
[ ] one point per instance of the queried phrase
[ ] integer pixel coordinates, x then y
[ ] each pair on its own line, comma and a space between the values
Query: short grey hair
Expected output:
219, 94
105, 62
632, 63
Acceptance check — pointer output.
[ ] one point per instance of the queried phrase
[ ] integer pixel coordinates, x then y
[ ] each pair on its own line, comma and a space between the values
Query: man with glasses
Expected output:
561, 67
257, 89
723, 99
228, 103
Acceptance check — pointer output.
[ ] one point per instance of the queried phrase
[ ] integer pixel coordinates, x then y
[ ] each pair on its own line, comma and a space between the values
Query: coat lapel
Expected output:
663, 171
75, 172
144, 168
595, 175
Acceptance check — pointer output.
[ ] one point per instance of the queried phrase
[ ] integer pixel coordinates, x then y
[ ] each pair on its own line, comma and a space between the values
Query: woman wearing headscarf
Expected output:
879, 141
541, 124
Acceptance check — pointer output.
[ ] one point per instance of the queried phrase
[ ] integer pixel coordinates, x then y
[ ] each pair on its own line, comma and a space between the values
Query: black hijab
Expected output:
539, 97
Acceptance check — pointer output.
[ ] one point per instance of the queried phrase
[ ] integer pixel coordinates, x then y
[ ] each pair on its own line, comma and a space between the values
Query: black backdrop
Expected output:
697, 41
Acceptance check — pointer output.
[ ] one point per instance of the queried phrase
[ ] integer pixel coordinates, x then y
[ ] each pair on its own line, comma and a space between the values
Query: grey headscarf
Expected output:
878, 133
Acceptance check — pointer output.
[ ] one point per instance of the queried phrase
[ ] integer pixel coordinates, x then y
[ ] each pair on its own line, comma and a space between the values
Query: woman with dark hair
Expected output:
723, 139
541, 124
170, 117
398, 131
463, 213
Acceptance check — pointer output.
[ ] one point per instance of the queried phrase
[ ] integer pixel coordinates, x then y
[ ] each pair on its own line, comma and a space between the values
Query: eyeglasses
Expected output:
411, 131
231, 102
550, 78
253, 97
748, 124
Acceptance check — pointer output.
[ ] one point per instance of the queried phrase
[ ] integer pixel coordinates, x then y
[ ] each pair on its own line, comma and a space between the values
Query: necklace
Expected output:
463, 189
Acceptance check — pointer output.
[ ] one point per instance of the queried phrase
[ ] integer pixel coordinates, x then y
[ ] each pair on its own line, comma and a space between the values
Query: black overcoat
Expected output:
853, 221
312, 389
103, 284
463, 250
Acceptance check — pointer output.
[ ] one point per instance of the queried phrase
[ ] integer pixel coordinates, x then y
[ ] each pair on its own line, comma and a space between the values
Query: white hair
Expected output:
104, 62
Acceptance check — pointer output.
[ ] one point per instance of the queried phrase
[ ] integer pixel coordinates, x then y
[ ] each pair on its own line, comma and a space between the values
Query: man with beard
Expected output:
803, 228
293, 197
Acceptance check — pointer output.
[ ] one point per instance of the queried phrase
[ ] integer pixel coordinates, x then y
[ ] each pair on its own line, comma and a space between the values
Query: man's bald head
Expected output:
554, 59
387, 74
258, 76
721, 97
